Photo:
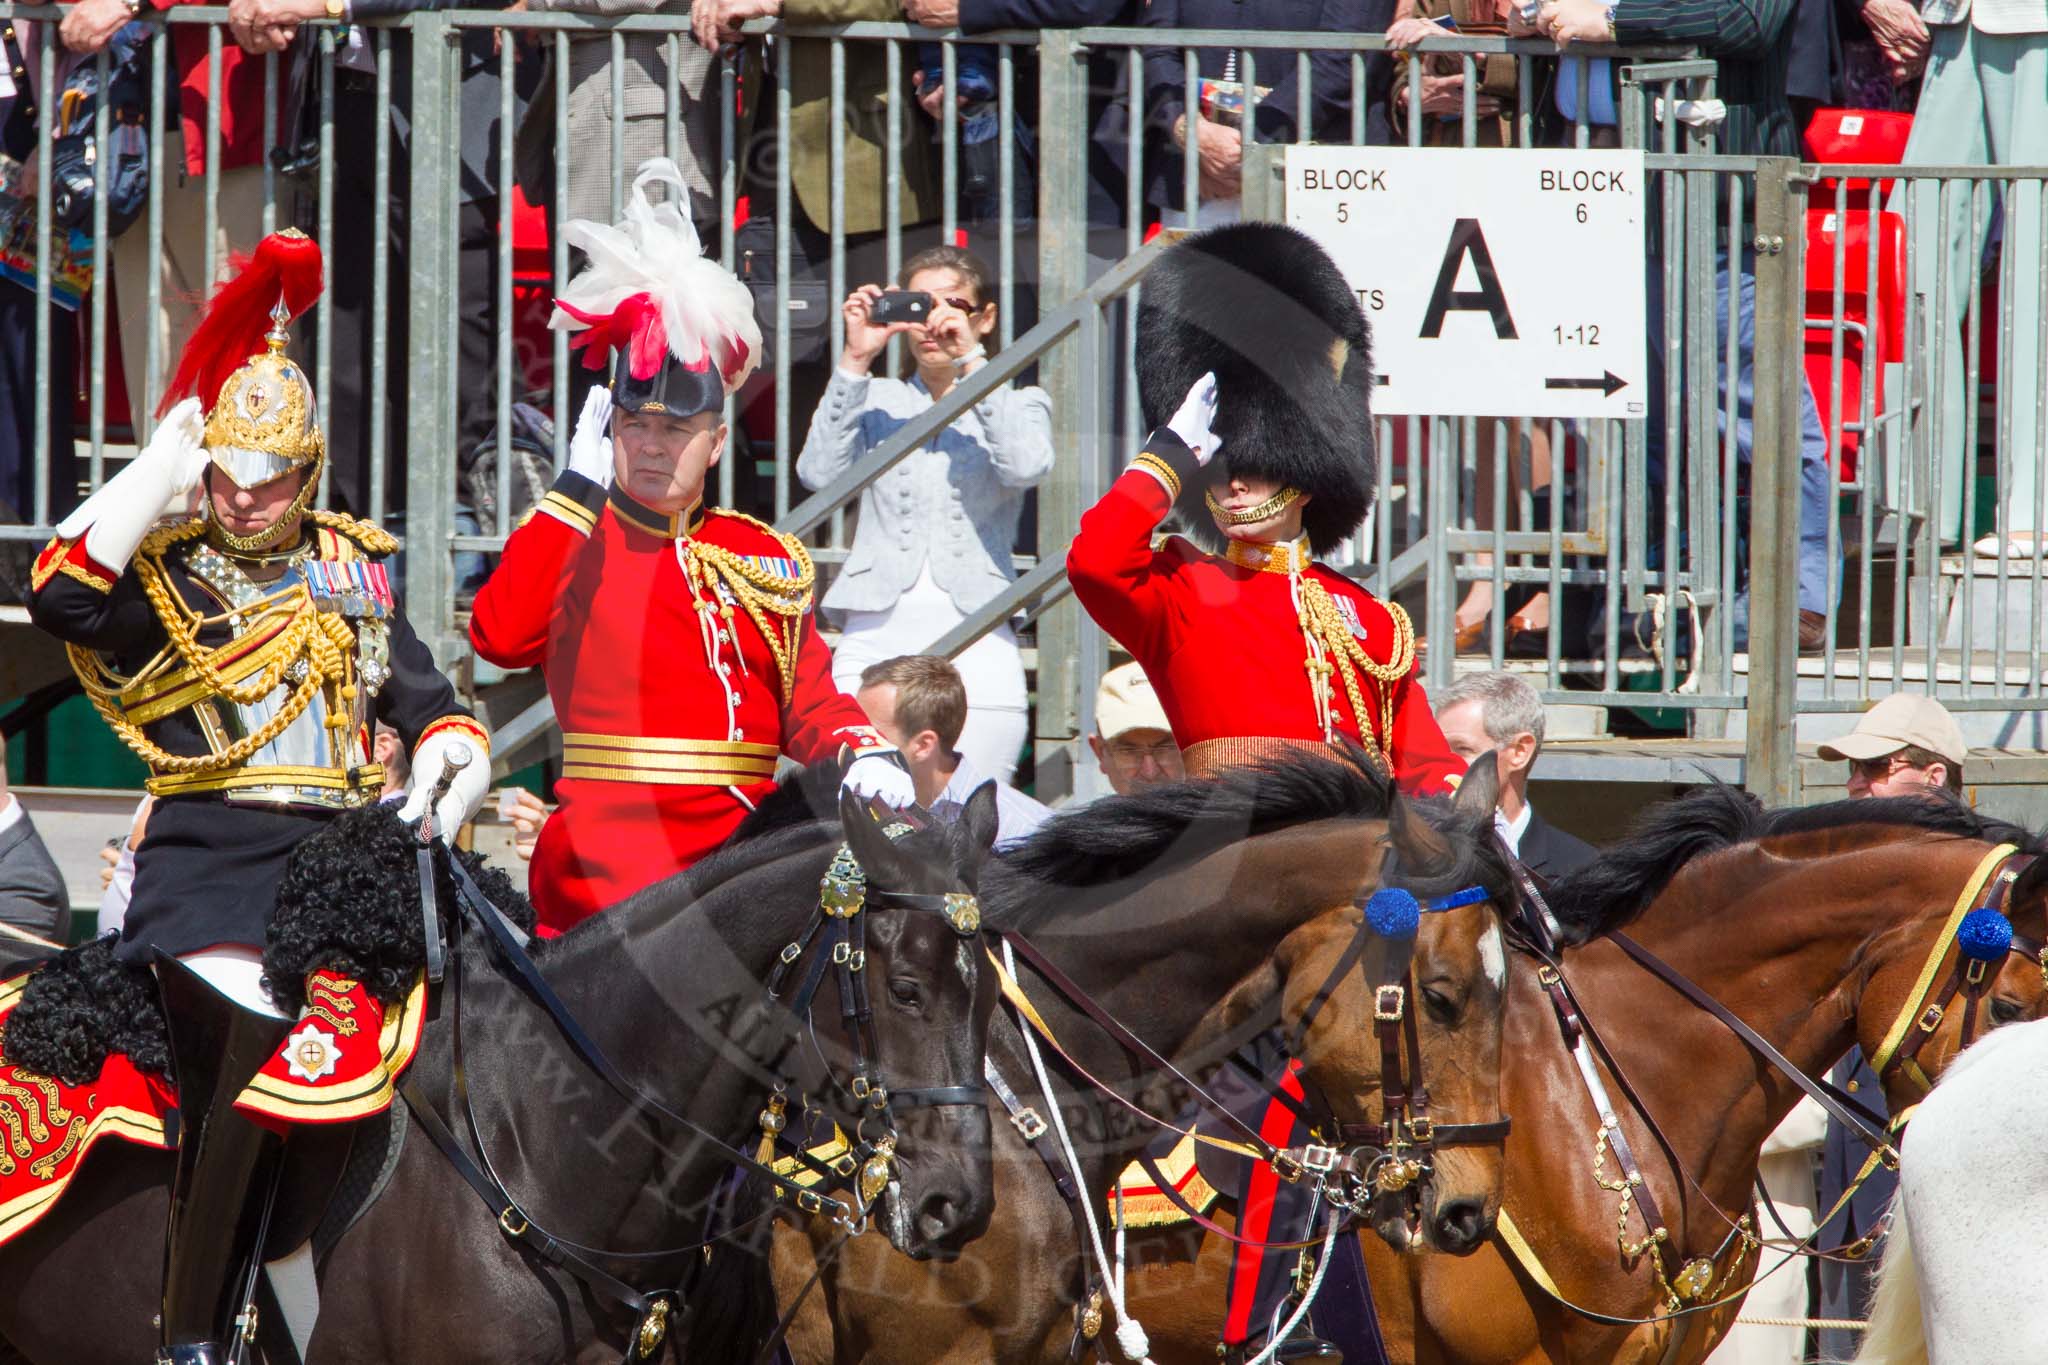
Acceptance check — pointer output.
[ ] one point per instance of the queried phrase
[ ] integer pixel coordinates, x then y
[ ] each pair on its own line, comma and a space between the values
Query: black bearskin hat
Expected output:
1265, 307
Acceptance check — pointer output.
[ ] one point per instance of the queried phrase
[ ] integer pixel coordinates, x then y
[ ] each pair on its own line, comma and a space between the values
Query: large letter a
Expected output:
1487, 298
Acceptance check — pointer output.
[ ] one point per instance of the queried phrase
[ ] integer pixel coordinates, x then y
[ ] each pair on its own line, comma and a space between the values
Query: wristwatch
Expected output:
1610, 22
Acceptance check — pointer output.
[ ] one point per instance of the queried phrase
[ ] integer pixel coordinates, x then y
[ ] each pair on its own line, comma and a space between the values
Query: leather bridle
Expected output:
837, 930
1980, 936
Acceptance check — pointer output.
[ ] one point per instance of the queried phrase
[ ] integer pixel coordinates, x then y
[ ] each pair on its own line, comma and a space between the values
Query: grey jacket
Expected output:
643, 127
955, 503
32, 891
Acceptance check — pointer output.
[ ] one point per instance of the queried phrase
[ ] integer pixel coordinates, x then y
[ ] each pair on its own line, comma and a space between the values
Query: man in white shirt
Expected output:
919, 704
1500, 712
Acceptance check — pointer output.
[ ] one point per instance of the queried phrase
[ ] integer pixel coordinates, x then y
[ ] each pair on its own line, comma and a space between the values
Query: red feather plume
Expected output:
635, 327
233, 325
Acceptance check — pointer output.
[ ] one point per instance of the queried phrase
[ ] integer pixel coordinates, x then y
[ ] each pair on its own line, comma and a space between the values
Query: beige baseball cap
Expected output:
1126, 702
1896, 722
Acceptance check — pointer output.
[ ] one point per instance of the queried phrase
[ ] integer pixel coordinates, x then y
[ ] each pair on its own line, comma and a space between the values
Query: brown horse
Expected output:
1811, 925
1280, 907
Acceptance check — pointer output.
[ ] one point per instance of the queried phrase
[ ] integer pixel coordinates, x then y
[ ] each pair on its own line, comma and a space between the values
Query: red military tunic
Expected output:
674, 700
1222, 639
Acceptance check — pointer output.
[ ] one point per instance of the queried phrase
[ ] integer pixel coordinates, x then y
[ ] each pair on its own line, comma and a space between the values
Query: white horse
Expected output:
1965, 1273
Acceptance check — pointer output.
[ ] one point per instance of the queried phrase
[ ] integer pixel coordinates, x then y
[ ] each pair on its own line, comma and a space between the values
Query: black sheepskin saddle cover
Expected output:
349, 903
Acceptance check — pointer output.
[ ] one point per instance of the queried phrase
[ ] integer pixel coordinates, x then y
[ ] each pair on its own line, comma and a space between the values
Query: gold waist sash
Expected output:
660, 761
1212, 756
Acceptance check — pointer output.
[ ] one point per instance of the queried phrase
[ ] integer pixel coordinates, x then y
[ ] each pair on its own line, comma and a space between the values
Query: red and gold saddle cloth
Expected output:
47, 1126
342, 1058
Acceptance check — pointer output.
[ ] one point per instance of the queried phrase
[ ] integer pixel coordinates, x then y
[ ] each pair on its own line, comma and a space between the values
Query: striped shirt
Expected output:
1752, 41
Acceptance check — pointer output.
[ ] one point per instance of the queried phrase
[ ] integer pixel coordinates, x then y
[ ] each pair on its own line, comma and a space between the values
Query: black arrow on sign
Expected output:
1607, 384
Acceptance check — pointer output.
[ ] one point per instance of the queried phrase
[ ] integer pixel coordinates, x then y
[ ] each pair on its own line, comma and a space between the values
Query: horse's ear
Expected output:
1423, 848
870, 847
2031, 885
1479, 793
979, 816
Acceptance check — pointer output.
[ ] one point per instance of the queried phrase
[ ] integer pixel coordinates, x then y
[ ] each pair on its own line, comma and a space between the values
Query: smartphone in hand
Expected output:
900, 305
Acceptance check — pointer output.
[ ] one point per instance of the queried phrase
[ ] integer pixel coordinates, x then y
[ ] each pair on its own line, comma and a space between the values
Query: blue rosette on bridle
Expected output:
1391, 912
1984, 936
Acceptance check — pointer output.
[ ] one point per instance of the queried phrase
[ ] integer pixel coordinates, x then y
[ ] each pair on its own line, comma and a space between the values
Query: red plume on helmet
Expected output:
285, 264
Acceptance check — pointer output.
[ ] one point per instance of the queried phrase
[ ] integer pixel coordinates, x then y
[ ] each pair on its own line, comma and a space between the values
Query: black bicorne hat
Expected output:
1264, 307
675, 389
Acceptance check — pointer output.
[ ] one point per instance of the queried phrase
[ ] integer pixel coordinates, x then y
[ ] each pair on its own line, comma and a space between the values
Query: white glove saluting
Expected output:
467, 785
590, 445
1195, 420
881, 774
156, 483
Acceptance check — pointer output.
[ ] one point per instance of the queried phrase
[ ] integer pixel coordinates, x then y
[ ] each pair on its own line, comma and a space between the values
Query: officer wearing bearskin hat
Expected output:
244, 644
677, 640
1254, 367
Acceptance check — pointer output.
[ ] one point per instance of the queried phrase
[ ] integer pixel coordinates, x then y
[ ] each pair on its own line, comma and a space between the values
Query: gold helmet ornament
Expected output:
262, 421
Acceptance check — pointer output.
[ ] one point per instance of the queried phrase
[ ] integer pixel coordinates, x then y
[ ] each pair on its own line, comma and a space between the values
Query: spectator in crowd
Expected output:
645, 83
359, 218
1214, 129
1501, 713
1441, 108
1133, 742
1984, 101
1108, 105
69, 267
117, 878
186, 256
936, 531
526, 813
1904, 745
32, 893
1752, 44
920, 706
388, 750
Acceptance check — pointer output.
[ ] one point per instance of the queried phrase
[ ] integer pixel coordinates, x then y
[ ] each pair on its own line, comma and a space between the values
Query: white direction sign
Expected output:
1499, 283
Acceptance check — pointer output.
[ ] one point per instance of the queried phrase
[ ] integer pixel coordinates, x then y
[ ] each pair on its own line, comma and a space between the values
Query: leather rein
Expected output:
1921, 1015
837, 929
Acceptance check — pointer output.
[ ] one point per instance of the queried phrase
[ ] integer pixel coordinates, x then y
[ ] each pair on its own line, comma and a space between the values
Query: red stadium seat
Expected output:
1872, 317
1847, 137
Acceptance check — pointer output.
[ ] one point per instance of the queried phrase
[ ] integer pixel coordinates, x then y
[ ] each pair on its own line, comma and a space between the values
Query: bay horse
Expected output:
1197, 914
1812, 925
662, 983
1966, 1254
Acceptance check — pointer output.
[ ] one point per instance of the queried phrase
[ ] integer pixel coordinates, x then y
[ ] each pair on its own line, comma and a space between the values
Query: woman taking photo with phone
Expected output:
935, 533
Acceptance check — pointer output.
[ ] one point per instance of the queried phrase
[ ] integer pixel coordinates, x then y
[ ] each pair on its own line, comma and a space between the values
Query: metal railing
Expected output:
1642, 566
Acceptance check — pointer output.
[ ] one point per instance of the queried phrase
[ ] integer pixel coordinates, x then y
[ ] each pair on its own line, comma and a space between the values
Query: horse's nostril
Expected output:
937, 1218
1460, 1224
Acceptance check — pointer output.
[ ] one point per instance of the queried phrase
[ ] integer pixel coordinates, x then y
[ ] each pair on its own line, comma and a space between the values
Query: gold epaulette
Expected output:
170, 533
368, 537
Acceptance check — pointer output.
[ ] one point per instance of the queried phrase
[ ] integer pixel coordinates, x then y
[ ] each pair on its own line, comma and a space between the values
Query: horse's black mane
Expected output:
1619, 885
1082, 858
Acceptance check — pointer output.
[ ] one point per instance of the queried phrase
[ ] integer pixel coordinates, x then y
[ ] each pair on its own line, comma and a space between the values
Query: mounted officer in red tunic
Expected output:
677, 640
245, 655
1254, 368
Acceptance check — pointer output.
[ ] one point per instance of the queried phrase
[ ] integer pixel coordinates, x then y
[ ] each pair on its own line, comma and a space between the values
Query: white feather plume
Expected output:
654, 250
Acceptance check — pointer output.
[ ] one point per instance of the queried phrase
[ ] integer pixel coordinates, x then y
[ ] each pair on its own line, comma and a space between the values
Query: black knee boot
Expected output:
227, 1166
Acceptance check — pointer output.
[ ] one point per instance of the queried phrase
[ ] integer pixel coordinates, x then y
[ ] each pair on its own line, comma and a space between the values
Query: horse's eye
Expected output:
1440, 1006
905, 993
2006, 1011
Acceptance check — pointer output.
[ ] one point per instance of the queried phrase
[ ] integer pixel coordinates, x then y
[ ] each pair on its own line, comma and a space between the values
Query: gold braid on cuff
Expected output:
1152, 464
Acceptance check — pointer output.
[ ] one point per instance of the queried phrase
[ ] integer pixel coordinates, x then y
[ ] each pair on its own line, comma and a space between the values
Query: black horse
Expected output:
668, 984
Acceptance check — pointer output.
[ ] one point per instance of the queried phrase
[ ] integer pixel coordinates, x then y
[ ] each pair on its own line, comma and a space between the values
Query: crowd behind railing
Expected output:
879, 153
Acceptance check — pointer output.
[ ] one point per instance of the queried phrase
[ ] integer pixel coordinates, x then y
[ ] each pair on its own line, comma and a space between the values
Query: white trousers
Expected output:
235, 971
